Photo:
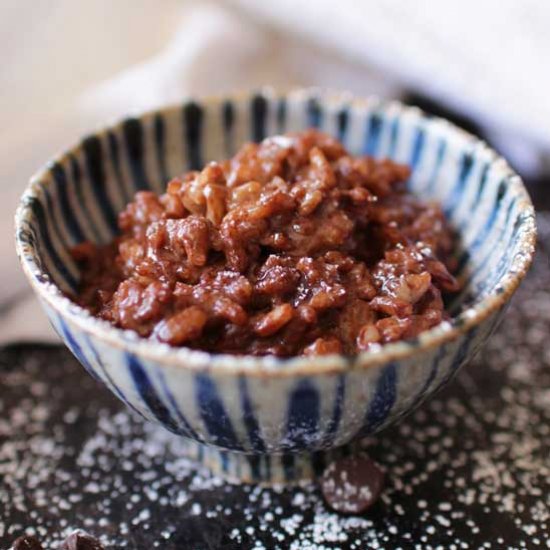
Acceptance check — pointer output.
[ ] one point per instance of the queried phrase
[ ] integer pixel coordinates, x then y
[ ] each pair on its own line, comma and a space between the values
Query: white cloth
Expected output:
68, 67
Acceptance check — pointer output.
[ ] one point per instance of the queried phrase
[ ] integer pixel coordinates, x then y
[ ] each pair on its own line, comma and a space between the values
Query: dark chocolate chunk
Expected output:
352, 484
78, 540
27, 542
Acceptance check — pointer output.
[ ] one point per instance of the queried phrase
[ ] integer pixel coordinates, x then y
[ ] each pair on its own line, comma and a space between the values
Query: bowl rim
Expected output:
186, 358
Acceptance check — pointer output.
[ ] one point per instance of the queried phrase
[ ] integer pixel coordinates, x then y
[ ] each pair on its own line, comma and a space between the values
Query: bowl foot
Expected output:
274, 469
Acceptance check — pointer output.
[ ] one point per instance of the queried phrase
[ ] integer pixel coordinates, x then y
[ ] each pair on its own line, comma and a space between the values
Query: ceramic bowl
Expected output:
262, 418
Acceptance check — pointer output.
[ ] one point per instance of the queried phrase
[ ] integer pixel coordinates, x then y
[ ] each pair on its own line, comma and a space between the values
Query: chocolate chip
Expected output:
78, 540
27, 542
352, 484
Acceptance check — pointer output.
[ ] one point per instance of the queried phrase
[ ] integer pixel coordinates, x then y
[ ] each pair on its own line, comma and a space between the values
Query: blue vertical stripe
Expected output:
440, 156
481, 185
53, 219
486, 230
482, 182
60, 177
383, 399
77, 351
147, 392
418, 147
304, 410
110, 383
372, 138
93, 158
477, 199
159, 131
213, 413
337, 409
457, 193
249, 417
115, 160
187, 428
343, 123
228, 118
497, 271
255, 462
434, 369
76, 175
132, 130
314, 114
193, 119
281, 115
394, 134
460, 357
258, 108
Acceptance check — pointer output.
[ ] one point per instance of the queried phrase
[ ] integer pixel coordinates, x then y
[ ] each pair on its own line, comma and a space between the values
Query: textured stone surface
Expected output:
468, 469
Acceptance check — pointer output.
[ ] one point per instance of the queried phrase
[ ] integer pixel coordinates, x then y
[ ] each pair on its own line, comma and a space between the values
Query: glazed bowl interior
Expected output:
78, 196
265, 406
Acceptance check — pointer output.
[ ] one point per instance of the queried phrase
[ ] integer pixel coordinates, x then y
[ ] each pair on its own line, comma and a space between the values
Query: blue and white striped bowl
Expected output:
263, 418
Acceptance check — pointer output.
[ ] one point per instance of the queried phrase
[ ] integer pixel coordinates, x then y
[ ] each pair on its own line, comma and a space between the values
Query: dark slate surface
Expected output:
469, 469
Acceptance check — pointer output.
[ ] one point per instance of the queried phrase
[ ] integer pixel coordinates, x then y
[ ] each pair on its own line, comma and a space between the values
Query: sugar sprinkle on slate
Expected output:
469, 469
